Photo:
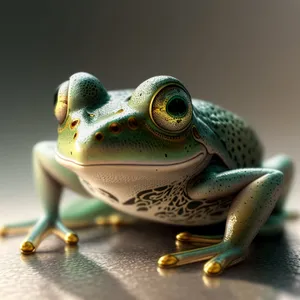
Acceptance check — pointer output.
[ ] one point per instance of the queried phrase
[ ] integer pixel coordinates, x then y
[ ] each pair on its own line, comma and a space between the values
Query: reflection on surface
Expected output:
76, 274
121, 263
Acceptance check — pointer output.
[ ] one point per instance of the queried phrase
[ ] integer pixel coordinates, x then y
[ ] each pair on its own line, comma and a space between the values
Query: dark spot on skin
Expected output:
99, 136
181, 211
166, 155
71, 153
115, 127
142, 209
194, 204
75, 136
133, 123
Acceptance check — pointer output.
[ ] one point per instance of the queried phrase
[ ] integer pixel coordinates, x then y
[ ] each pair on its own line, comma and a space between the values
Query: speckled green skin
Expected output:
196, 166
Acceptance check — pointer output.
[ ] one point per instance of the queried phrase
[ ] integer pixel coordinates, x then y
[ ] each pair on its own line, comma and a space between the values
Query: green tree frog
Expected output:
155, 153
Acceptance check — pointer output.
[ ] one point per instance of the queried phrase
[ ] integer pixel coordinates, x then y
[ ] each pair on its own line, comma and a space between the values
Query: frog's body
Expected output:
157, 154
154, 190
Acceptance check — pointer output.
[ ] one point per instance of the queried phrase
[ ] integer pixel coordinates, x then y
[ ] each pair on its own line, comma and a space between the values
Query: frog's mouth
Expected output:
67, 162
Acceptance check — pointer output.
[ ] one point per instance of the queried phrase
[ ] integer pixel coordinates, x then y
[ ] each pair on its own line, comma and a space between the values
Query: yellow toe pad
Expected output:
27, 248
213, 268
167, 261
71, 239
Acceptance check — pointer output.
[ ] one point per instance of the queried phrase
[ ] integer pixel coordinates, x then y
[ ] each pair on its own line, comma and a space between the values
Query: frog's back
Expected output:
238, 138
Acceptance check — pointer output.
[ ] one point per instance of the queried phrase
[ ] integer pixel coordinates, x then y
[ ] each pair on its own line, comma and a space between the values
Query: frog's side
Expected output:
157, 154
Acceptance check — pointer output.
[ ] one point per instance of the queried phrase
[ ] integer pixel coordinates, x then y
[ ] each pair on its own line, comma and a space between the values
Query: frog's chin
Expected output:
124, 181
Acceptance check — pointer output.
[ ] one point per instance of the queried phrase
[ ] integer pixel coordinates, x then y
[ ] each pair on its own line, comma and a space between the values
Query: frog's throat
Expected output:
66, 161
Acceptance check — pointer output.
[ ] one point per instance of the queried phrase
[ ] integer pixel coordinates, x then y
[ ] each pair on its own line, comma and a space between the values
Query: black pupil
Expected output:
177, 107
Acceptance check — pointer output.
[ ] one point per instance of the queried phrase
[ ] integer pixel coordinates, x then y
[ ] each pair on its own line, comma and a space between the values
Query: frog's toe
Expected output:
190, 256
63, 232
167, 261
71, 238
221, 255
220, 262
213, 268
2, 231
27, 247
186, 237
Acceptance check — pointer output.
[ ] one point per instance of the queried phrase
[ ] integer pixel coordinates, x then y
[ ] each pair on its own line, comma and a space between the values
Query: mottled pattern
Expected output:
86, 90
239, 139
99, 191
173, 205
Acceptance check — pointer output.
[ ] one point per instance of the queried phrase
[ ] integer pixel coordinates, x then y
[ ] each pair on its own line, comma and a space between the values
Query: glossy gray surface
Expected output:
120, 263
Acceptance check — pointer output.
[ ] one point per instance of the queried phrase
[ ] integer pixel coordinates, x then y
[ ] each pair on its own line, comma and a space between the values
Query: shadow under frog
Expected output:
76, 271
78, 275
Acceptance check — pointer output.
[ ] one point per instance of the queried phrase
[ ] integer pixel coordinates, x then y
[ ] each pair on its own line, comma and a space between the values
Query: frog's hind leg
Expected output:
93, 212
80, 213
256, 193
284, 164
276, 221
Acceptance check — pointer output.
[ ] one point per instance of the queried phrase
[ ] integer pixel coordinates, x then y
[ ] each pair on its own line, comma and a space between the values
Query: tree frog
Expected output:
158, 154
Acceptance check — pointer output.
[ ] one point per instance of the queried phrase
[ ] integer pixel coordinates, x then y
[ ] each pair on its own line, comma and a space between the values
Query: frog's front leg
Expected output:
256, 193
50, 178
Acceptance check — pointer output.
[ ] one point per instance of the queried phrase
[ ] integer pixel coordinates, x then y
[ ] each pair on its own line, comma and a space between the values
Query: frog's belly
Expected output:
167, 203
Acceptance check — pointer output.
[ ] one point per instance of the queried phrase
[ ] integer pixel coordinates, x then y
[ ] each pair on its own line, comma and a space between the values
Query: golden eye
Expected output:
171, 108
61, 102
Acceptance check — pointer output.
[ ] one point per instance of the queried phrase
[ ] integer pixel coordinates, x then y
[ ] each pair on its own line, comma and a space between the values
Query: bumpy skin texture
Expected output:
156, 153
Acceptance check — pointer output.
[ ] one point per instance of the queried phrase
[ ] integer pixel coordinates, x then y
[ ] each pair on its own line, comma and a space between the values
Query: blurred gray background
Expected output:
243, 55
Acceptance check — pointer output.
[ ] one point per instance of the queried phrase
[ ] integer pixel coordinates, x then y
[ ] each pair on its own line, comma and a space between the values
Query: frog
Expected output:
155, 153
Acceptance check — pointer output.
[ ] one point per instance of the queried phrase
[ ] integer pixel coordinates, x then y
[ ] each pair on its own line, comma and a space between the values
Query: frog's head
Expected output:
151, 125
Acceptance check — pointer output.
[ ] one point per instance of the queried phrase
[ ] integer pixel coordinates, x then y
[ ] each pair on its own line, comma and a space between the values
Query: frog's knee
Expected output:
281, 162
276, 177
272, 183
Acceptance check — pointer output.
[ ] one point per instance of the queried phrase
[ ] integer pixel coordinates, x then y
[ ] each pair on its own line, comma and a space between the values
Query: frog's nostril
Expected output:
74, 124
99, 136
115, 127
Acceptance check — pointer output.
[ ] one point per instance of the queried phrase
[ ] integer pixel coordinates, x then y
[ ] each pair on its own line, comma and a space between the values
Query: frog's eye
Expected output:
171, 108
61, 102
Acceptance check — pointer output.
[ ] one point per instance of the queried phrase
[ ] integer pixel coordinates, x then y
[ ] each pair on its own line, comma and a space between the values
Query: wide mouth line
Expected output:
125, 164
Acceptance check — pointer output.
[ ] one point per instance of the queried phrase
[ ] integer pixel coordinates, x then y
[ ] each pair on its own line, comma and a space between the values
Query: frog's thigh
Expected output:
284, 164
257, 191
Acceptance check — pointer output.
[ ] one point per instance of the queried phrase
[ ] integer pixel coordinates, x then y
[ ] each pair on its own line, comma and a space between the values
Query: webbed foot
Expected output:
221, 255
44, 227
